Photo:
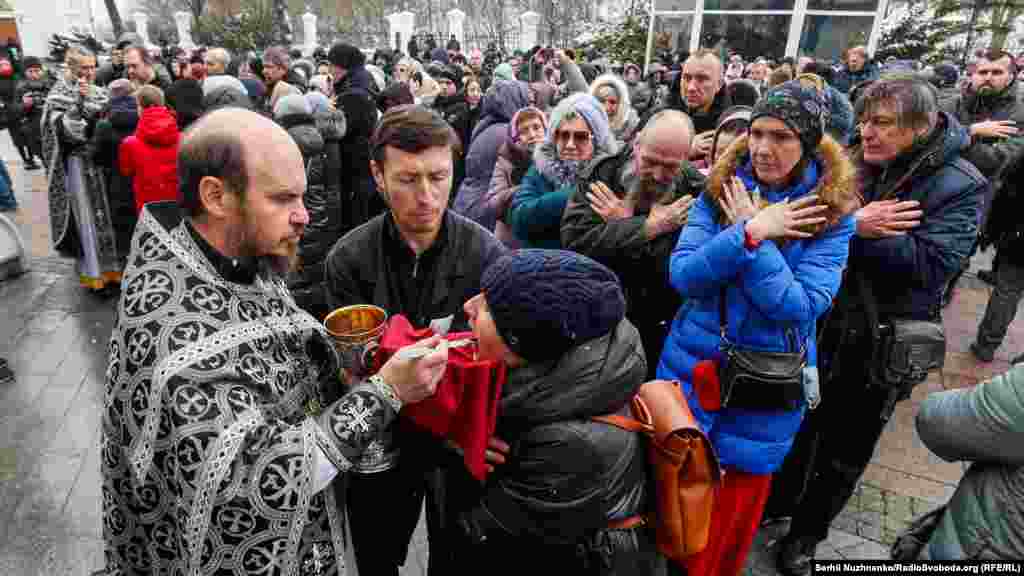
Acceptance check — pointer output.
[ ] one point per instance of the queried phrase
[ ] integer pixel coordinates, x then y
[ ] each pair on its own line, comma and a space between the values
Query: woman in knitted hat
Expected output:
570, 498
578, 132
760, 259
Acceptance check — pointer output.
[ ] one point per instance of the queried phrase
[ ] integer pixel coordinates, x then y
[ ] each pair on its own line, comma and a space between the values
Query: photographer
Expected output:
29, 97
915, 229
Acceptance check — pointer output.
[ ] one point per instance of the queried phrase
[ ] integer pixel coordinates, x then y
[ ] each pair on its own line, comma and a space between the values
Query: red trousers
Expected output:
734, 522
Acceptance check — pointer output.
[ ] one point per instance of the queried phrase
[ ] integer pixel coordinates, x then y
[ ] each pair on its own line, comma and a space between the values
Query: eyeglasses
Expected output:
578, 138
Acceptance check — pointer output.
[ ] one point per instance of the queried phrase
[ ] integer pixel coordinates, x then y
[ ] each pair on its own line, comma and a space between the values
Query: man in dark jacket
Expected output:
699, 91
991, 112
115, 68
141, 68
627, 214
423, 261
353, 87
919, 223
856, 70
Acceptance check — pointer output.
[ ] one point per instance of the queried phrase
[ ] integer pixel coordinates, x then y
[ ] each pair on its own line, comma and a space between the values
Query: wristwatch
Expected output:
387, 391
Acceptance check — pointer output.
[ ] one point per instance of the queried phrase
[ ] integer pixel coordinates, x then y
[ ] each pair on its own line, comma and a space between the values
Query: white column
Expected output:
876, 26
184, 22
309, 40
141, 27
796, 28
528, 23
402, 24
456, 19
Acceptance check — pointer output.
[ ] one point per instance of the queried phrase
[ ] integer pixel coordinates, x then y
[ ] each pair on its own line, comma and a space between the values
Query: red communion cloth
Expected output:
464, 410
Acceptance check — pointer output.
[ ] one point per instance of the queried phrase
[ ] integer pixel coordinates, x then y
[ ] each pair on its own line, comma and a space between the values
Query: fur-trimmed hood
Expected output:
625, 104
836, 185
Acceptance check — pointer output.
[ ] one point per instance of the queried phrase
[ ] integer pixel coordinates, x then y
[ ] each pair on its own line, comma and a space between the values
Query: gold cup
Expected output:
356, 331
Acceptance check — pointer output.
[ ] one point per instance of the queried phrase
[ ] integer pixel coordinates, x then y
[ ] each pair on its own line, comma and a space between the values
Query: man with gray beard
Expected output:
627, 213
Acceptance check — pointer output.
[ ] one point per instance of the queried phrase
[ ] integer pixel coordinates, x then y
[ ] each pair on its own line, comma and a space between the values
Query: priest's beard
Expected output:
244, 237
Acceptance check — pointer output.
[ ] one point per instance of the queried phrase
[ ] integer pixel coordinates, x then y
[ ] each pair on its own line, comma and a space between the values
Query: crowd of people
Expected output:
594, 226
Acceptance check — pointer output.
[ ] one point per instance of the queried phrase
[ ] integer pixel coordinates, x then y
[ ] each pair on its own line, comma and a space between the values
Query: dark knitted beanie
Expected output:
545, 302
800, 107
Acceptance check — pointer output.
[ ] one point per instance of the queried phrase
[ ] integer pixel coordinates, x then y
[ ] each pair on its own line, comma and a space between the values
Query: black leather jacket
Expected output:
371, 264
568, 476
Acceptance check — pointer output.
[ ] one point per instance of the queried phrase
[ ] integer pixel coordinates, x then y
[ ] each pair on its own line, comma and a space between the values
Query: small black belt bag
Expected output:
905, 350
911, 350
759, 380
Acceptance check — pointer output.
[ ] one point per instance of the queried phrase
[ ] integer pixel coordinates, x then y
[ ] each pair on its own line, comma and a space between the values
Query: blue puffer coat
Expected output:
772, 290
503, 99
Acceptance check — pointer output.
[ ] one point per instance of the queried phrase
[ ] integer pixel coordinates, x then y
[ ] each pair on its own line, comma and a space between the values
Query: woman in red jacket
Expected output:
150, 156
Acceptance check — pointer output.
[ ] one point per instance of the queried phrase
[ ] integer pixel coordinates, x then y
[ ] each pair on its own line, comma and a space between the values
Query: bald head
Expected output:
248, 197
667, 125
663, 146
231, 145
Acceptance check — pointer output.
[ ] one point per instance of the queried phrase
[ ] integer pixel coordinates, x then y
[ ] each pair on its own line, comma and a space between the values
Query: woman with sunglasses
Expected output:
578, 132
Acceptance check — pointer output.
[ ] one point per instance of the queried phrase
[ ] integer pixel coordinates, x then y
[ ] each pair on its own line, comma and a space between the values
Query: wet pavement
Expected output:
55, 336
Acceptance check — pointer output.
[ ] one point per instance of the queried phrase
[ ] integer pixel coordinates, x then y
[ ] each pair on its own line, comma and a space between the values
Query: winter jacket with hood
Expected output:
358, 192
499, 105
909, 272
318, 137
150, 156
982, 425
774, 295
568, 476
110, 133
625, 121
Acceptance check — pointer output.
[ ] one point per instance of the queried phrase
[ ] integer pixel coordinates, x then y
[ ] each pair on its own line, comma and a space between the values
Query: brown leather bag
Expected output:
682, 463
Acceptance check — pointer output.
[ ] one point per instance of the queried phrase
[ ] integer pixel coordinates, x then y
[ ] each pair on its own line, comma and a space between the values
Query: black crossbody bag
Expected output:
759, 380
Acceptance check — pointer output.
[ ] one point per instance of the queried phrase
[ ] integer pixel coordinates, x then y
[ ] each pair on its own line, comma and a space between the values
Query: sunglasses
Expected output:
578, 138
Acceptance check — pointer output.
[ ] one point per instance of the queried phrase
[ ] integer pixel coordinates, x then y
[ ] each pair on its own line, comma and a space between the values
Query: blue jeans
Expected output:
7, 199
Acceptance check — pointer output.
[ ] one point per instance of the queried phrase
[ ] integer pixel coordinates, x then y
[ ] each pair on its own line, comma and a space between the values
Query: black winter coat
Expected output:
360, 201
110, 132
567, 476
362, 268
319, 140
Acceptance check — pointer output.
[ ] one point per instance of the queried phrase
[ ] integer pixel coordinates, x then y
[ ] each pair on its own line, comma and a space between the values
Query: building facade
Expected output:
773, 28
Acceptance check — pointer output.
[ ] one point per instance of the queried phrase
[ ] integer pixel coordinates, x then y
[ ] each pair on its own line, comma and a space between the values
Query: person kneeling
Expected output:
573, 490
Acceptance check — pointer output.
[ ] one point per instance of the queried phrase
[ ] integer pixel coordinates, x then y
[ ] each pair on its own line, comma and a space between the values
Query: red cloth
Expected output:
464, 409
150, 157
735, 518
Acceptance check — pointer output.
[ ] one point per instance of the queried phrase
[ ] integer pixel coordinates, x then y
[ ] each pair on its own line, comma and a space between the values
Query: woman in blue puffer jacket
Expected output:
772, 229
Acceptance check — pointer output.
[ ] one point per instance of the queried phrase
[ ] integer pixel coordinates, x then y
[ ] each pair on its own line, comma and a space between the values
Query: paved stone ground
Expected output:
55, 336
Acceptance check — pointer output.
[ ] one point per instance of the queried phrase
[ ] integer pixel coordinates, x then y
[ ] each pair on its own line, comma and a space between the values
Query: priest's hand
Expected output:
416, 379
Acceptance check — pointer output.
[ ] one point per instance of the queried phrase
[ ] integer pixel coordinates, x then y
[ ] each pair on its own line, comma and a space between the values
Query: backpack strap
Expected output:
642, 421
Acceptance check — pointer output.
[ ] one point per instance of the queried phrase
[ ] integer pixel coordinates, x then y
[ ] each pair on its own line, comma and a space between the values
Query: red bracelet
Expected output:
748, 241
